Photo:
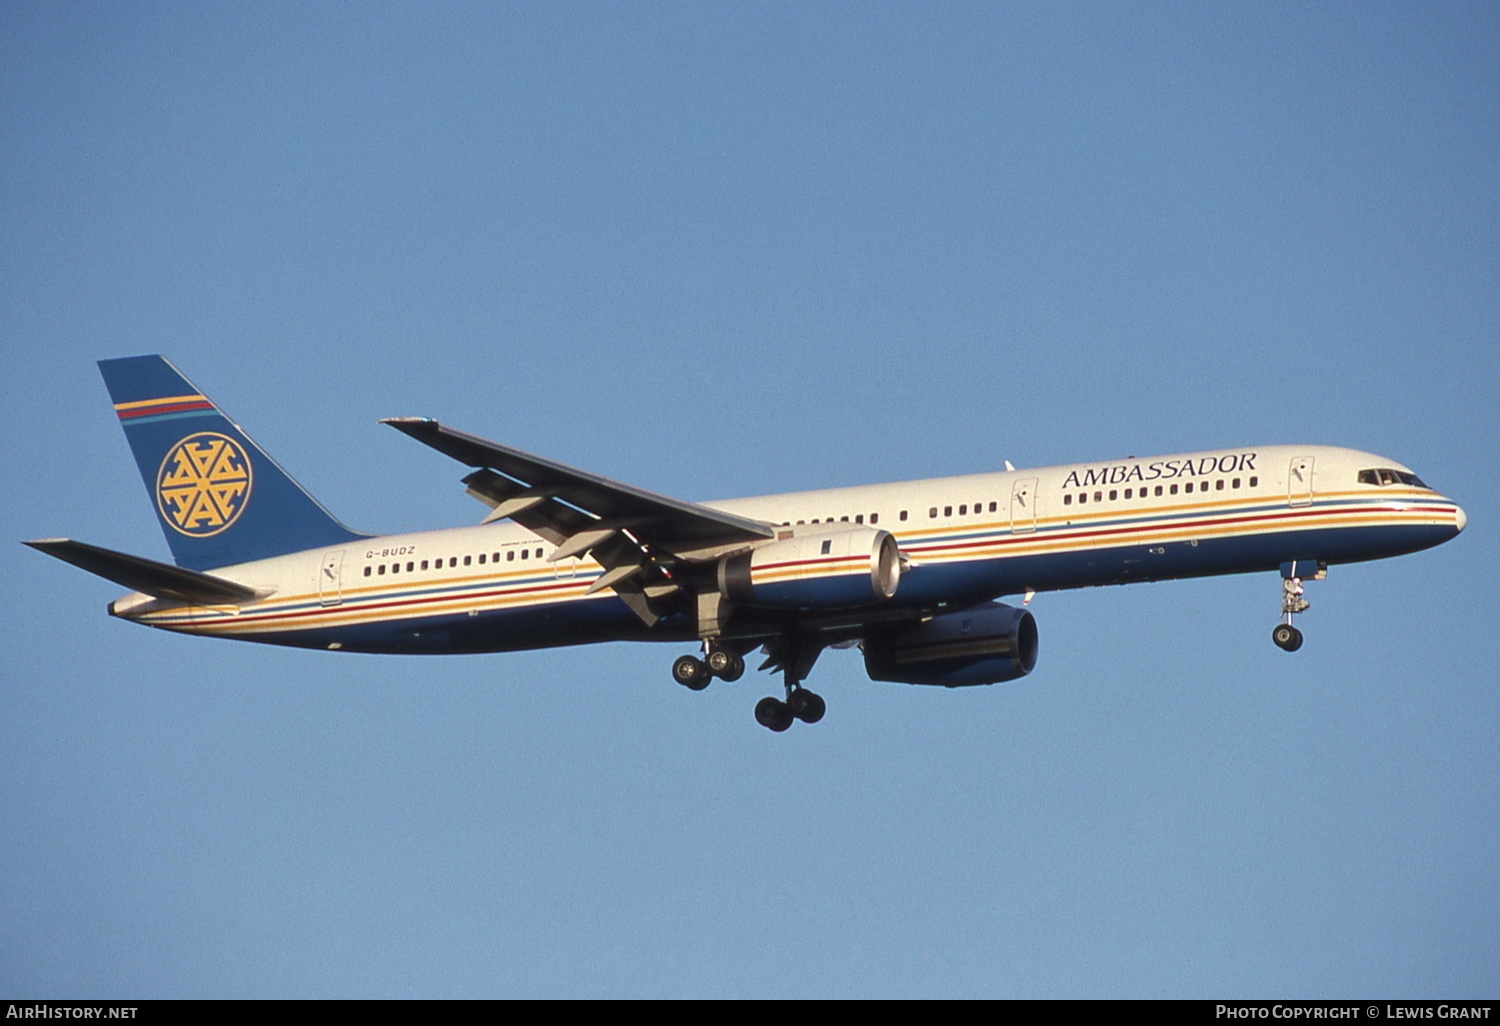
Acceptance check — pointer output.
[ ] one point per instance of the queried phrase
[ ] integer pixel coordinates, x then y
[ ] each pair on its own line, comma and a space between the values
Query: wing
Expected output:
639, 537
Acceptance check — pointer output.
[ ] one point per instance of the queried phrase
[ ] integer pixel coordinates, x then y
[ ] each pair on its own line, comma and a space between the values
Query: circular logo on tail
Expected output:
203, 484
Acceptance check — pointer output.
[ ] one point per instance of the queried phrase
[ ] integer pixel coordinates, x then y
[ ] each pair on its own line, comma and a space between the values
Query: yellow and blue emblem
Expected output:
204, 484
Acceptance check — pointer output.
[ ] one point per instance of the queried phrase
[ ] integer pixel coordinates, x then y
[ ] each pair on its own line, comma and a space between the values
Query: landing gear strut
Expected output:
1287, 637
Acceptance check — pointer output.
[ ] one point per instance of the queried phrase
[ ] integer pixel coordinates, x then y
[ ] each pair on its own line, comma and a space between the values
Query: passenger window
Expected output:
993, 507
1158, 489
424, 564
1174, 489
827, 546
1083, 497
1127, 493
963, 510
481, 559
367, 571
410, 567
525, 553
380, 569
510, 556
1068, 499
1235, 483
903, 514
859, 518
1254, 481
874, 518
1219, 485
1113, 495
947, 511
468, 560
1098, 496
932, 513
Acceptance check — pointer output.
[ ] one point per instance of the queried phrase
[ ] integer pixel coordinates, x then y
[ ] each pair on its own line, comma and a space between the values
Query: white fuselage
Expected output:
963, 540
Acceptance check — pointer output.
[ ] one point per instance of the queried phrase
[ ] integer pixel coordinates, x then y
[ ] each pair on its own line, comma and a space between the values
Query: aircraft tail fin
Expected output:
219, 497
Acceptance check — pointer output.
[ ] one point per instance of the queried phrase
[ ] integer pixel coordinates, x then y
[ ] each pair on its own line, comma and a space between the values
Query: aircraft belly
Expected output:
1064, 567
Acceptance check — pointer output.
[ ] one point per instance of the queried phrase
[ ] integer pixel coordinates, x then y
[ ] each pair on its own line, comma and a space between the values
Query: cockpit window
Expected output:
1387, 476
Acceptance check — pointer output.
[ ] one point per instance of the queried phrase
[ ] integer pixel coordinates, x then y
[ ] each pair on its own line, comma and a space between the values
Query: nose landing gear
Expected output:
1287, 637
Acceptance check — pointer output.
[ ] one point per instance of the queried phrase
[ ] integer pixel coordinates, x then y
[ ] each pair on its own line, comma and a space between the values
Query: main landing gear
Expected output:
695, 674
801, 704
792, 655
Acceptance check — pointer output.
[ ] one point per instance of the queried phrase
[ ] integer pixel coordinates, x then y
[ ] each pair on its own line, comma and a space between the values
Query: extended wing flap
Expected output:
160, 580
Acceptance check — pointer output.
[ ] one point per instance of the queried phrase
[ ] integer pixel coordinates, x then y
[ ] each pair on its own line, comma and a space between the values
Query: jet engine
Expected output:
985, 645
822, 567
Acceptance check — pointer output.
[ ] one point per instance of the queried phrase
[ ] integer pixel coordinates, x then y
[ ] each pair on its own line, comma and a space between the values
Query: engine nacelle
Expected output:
987, 645
815, 568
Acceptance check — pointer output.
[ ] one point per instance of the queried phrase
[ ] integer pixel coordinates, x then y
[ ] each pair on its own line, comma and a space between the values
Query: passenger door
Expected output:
1023, 506
331, 578
1299, 482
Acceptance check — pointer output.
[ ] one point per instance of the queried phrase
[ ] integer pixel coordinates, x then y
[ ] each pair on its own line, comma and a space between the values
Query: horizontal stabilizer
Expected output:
146, 575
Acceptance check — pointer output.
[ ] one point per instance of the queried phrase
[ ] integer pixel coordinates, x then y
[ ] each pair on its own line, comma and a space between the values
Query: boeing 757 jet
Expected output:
911, 572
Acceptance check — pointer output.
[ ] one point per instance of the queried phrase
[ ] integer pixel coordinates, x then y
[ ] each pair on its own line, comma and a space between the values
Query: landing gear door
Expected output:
1299, 481
1023, 506
331, 578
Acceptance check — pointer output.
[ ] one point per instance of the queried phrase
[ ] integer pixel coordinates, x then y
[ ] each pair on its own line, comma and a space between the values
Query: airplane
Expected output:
911, 572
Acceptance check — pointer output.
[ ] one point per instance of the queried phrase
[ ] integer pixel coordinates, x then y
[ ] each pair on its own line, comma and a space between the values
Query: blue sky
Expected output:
717, 250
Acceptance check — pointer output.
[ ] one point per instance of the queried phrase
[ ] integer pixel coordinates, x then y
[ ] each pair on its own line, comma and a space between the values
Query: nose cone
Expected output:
1460, 518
